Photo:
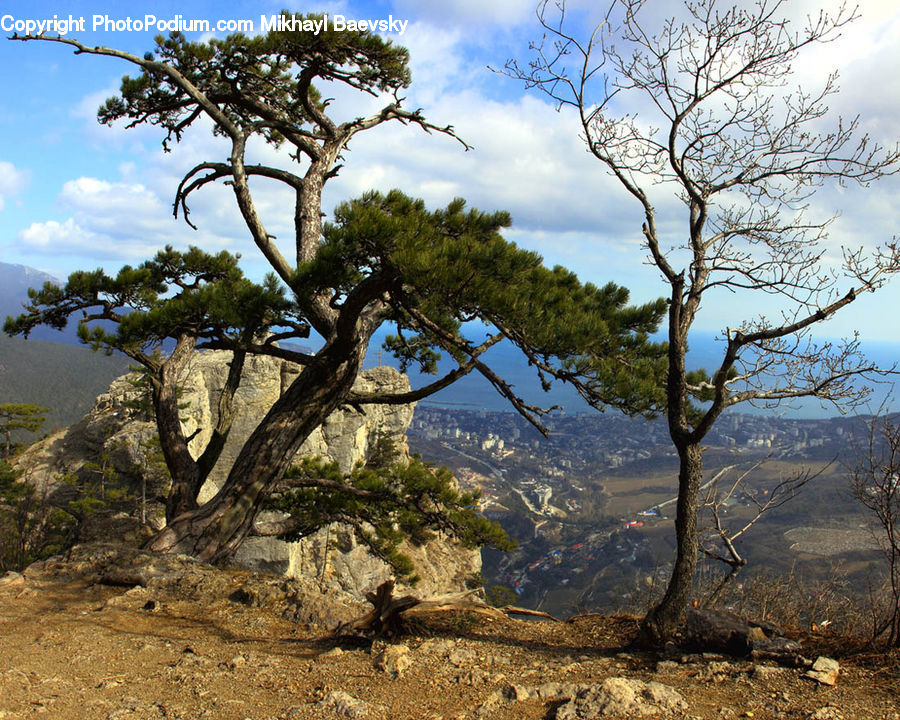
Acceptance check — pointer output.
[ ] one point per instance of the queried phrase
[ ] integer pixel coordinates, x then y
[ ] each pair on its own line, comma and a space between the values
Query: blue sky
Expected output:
74, 194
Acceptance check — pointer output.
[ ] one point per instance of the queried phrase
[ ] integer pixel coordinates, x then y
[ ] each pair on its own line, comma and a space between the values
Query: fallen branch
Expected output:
514, 610
384, 617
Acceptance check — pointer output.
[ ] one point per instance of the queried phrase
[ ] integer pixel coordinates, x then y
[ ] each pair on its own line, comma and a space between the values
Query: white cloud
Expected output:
527, 158
115, 221
435, 60
12, 181
117, 135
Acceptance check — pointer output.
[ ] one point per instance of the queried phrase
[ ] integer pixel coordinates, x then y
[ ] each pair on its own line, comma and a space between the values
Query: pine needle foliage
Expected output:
31, 528
454, 266
191, 292
387, 505
19, 416
238, 72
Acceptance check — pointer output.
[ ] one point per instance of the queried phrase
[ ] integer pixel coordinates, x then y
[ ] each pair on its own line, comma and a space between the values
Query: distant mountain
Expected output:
14, 283
46, 369
61, 377
472, 391
16, 279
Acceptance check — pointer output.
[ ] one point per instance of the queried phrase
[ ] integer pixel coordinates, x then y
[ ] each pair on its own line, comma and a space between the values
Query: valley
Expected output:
592, 505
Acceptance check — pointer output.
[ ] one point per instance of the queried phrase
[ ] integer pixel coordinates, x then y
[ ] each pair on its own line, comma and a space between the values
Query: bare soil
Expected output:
72, 648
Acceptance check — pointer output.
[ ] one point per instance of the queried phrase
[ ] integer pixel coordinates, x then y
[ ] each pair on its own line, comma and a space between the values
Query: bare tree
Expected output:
720, 132
875, 482
718, 540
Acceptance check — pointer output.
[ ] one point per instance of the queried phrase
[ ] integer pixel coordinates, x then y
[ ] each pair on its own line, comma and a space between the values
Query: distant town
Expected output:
591, 504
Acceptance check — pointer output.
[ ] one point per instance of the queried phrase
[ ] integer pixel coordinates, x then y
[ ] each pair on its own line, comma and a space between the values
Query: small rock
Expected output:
716, 670
437, 646
516, 693
236, 662
827, 713
824, 671
460, 656
618, 697
472, 677
489, 706
342, 703
549, 691
394, 660
664, 666
769, 672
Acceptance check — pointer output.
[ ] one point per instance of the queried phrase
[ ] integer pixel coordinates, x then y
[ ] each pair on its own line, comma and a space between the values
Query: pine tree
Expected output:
188, 298
19, 416
386, 258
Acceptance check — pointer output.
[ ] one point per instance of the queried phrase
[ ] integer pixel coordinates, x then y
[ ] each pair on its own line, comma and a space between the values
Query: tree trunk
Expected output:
183, 469
188, 474
214, 531
663, 620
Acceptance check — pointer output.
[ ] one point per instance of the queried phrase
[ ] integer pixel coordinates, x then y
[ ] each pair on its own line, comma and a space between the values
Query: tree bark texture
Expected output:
214, 531
185, 474
663, 620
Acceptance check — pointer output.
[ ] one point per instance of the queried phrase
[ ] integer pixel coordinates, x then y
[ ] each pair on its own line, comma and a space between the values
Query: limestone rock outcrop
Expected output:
117, 434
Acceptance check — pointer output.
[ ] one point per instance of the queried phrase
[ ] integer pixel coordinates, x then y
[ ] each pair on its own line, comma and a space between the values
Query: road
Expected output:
496, 472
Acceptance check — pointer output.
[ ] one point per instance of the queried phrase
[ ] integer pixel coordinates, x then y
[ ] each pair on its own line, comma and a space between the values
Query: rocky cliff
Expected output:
118, 435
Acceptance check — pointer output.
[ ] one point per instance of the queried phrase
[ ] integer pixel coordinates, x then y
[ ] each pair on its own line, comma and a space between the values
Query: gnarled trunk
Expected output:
186, 480
214, 531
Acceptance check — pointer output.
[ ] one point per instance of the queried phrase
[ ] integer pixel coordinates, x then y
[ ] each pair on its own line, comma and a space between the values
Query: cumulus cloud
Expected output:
527, 158
12, 181
117, 221
435, 60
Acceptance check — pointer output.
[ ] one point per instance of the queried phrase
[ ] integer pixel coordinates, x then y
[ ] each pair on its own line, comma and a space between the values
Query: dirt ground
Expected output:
75, 649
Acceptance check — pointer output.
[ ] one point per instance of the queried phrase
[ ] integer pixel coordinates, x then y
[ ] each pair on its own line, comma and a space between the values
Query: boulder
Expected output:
618, 697
342, 704
824, 671
726, 632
